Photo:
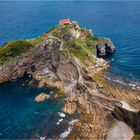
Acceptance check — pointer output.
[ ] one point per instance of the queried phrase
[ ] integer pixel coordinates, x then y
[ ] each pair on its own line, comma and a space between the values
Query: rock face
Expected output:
105, 47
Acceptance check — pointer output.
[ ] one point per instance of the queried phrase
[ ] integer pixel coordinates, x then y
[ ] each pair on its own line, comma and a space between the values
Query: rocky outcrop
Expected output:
52, 64
41, 97
29, 62
105, 47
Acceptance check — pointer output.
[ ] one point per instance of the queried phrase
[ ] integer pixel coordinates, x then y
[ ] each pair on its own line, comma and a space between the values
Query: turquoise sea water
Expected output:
20, 116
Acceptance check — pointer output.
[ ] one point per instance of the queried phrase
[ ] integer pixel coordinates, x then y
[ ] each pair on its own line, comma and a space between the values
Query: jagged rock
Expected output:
101, 49
105, 47
110, 48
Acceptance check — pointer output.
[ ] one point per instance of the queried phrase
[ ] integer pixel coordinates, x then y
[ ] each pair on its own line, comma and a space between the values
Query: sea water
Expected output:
118, 20
20, 116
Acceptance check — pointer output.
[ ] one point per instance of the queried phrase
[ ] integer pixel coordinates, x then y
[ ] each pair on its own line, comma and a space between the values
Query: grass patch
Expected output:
81, 54
85, 50
36, 41
77, 43
60, 93
13, 49
136, 137
60, 32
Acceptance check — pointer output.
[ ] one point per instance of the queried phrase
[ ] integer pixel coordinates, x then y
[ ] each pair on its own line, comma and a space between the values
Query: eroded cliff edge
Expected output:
66, 57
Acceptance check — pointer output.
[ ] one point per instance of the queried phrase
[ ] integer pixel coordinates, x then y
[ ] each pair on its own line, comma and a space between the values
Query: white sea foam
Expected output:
112, 59
133, 85
73, 122
118, 81
59, 121
107, 78
66, 133
61, 114
42, 138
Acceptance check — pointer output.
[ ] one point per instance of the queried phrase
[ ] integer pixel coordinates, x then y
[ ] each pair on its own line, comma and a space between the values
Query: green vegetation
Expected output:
13, 49
60, 32
84, 50
39, 39
60, 93
81, 54
136, 137
36, 41
77, 43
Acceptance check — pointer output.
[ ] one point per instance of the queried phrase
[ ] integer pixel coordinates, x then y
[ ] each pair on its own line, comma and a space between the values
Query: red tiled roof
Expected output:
65, 21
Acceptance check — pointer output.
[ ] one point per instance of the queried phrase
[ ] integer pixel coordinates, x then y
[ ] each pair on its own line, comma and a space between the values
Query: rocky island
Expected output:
69, 59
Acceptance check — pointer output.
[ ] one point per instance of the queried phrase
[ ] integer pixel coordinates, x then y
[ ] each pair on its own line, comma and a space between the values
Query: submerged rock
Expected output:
42, 97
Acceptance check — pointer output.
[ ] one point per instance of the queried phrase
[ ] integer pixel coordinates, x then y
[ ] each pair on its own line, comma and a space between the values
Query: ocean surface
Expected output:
20, 116
119, 21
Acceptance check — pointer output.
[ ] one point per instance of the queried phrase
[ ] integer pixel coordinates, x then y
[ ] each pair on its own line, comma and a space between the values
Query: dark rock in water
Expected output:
105, 47
101, 49
110, 48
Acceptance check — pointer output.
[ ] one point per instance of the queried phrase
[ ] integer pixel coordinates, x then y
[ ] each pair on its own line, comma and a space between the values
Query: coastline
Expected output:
134, 84
130, 102
65, 59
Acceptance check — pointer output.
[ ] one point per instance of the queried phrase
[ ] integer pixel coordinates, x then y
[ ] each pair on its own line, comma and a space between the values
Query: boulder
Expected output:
101, 49
105, 47
110, 48
42, 97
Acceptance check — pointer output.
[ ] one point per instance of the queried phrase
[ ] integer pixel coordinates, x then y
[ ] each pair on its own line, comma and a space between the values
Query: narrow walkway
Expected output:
57, 39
